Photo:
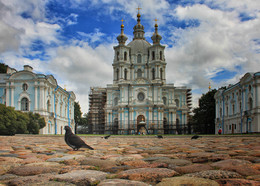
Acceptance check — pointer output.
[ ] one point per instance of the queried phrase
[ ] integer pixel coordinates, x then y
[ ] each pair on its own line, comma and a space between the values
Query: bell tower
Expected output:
121, 64
157, 64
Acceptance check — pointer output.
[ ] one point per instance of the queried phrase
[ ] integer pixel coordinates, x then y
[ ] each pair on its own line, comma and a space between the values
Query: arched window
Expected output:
125, 75
161, 73
177, 102
250, 104
117, 56
164, 100
25, 87
160, 55
139, 73
153, 55
24, 104
139, 58
116, 101
153, 73
125, 56
249, 88
117, 74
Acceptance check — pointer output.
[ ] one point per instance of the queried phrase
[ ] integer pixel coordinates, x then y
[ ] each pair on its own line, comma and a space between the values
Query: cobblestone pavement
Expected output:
144, 160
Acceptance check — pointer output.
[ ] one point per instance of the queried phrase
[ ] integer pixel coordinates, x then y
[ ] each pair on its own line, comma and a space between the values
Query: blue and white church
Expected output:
38, 93
140, 100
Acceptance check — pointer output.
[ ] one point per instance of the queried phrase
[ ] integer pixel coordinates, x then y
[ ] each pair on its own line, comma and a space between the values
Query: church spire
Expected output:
156, 37
122, 37
138, 28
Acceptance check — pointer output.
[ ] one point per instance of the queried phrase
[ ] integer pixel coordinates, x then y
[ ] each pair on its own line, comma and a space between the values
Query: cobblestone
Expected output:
130, 160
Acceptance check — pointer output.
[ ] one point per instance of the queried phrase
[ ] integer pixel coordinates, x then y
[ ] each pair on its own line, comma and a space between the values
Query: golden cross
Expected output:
122, 21
156, 20
138, 9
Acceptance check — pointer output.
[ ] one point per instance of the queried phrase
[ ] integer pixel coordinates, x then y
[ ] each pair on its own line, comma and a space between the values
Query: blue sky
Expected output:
206, 40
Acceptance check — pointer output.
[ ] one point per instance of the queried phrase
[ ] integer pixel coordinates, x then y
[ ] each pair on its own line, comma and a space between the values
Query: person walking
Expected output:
220, 131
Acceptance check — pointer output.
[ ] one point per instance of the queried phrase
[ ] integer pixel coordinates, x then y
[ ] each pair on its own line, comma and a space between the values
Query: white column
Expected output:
7, 95
41, 97
35, 97
12, 94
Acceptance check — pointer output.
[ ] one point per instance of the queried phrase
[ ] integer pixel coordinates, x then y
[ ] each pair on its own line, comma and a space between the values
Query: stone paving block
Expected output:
121, 182
81, 177
184, 180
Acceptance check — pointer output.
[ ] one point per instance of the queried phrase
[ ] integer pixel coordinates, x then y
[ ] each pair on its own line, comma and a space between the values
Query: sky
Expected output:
207, 41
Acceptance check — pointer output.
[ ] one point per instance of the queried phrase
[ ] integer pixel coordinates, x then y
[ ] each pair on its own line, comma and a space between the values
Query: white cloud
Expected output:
82, 67
221, 41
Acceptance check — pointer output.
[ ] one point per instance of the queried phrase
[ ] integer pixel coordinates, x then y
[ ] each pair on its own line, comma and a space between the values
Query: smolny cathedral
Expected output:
139, 100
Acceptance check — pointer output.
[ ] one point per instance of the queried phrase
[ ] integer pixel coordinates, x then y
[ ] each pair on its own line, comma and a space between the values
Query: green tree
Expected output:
77, 115
36, 122
3, 68
22, 122
8, 124
204, 115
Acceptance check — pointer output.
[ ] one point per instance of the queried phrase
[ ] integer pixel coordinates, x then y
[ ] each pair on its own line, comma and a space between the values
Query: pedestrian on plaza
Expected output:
220, 131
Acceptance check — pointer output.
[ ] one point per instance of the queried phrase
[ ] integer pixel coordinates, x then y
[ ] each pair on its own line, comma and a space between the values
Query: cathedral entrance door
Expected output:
141, 124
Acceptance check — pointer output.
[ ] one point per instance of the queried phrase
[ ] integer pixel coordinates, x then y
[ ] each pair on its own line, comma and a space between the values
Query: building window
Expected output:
139, 58
153, 55
117, 74
164, 100
177, 102
161, 73
140, 96
117, 56
227, 110
160, 55
249, 88
233, 109
139, 73
250, 104
116, 101
153, 74
25, 104
125, 75
125, 56
25, 87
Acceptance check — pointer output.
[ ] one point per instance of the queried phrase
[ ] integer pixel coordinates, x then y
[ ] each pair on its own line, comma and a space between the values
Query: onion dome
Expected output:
138, 29
156, 37
122, 37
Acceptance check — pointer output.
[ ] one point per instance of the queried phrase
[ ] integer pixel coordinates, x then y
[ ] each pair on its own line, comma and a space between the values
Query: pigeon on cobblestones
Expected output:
74, 141
195, 137
106, 137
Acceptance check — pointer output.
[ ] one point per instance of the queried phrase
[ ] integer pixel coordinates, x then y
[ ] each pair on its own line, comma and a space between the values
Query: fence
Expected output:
149, 127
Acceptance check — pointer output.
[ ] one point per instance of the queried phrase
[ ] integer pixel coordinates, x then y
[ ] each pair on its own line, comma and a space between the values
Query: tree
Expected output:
204, 115
77, 115
22, 120
8, 125
36, 122
3, 68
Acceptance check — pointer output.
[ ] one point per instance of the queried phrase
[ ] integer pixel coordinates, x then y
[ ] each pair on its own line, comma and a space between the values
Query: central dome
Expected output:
139, 46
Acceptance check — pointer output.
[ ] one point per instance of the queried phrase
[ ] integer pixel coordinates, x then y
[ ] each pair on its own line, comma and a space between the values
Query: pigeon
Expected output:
106, 137
74, 141
159, 136
195, 137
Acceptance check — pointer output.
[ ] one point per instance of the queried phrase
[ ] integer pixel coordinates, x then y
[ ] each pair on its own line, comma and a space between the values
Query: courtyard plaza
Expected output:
131, 160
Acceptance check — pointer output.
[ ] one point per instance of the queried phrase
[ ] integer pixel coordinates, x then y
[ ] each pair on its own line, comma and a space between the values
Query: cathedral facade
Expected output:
140, 100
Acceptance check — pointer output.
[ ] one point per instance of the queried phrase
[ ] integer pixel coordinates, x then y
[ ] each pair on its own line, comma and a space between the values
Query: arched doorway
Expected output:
115, 126
165, 126
141, 124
